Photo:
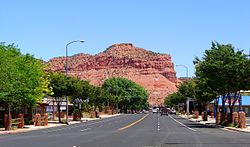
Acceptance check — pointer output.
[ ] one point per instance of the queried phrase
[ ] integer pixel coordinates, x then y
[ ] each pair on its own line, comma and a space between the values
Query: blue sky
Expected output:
182, 28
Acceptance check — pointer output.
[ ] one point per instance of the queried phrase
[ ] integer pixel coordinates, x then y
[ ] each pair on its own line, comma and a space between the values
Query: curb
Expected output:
27, 130
219, 127
6, 132
236, 130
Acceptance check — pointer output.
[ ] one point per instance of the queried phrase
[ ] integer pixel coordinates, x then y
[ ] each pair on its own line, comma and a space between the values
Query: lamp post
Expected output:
66, 72
186, 69
188, 99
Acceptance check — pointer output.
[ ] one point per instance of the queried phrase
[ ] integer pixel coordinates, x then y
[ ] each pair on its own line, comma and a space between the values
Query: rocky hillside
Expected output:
151, 70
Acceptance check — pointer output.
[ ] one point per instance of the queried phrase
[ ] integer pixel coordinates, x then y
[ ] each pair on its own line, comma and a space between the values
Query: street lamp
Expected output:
186, 69
66, 72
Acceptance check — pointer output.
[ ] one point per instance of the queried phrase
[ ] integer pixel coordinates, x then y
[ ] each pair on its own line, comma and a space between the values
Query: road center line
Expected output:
85, 129
133, 123
182, 124
158, 128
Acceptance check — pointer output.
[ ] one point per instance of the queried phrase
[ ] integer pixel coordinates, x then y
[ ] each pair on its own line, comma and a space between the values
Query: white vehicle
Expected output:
155, 110
173, 111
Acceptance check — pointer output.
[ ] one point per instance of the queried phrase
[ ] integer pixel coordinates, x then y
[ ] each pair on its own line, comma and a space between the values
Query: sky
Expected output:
182, 28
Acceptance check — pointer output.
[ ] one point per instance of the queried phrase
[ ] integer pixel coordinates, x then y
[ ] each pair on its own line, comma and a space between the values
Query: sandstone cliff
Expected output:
151, 70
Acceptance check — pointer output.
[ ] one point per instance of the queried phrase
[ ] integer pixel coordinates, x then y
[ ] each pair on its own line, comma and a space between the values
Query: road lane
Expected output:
64, 135
204, 136
151, 131
133, 123
181, 123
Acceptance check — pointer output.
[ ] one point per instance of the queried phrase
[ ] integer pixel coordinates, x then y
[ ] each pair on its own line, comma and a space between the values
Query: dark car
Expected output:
164, 111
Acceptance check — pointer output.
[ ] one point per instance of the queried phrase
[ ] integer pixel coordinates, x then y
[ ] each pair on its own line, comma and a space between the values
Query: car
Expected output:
164, 111
172, 111
155, 109
145, 111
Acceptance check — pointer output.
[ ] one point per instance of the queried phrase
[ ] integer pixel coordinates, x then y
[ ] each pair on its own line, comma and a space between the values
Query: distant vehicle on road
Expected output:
145, 111
164, 111
155, 109
172, 111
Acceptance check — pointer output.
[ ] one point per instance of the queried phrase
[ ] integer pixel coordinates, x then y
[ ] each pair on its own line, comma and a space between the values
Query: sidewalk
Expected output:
211, 122
29, 128
52, 124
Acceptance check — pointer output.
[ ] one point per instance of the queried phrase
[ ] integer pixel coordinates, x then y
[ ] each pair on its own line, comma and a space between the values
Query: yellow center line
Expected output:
130, 125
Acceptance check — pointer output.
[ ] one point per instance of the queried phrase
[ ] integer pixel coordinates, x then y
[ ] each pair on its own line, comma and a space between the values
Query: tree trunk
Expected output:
230, 115
231, 106
96, 113
30, 114
53, 114
223, 113
59, 113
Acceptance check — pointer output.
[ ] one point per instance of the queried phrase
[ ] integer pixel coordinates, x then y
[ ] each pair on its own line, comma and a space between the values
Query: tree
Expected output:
174, 99
21, 79
129, 94
7, 71
187, 88
59, 85
78, 89
223, 70
97, 98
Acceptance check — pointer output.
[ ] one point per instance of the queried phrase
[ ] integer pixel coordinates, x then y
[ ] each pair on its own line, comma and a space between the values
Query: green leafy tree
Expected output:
187, 88
78, 88
59, 85
129, 94
174, 99
21, 79
8, 55
223, 69
97, 98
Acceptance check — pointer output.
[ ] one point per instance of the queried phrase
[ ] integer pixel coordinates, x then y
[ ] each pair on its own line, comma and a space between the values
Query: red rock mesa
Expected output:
154, 71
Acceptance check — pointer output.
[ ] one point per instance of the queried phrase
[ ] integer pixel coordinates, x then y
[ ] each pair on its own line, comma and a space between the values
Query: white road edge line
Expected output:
182, 124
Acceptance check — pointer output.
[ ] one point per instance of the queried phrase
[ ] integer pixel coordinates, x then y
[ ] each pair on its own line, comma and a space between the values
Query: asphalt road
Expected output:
139, 130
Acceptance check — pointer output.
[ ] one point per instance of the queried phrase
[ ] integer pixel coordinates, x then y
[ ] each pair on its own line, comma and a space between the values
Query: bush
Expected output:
28, 121
76, 111
232, 125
